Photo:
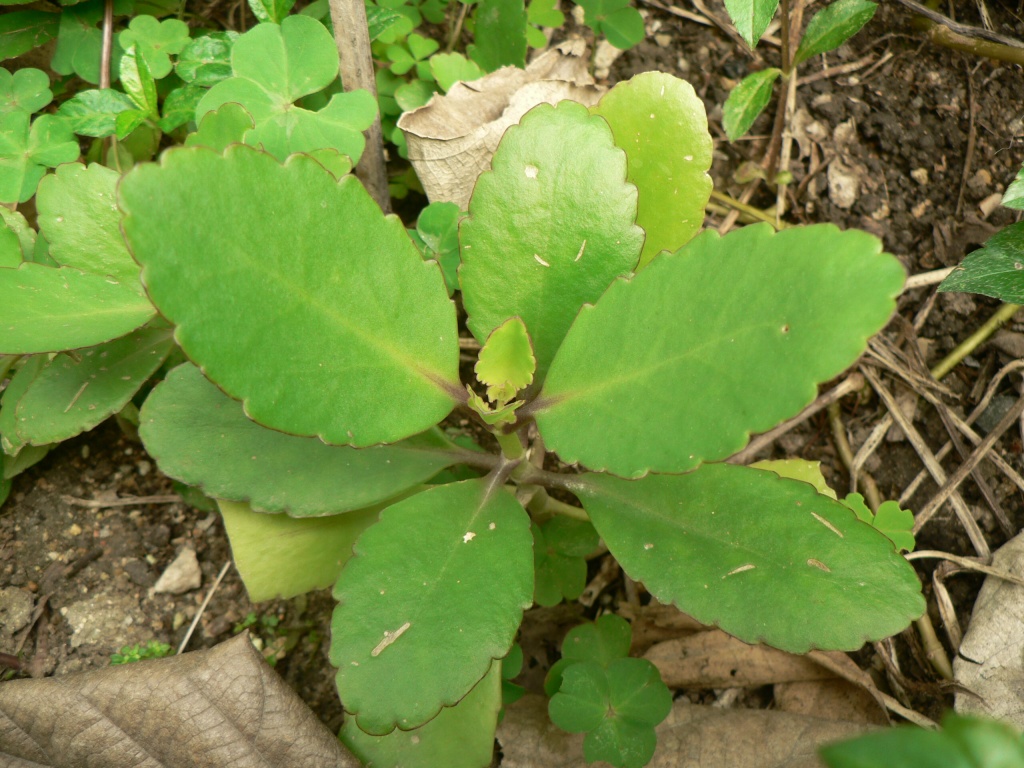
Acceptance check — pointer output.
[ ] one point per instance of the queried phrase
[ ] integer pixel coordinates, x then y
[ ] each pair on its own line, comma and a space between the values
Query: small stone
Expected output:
182, 575
73, 530
105, 619
178, 621
604, 57
144, 467
980, 181
15, 609
920, 209
663, 40
843, 184
920, 175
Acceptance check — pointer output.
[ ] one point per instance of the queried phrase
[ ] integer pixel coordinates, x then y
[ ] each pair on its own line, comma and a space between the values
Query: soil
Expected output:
930, 136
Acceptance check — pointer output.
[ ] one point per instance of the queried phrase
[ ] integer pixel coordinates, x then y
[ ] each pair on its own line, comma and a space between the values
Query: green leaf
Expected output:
897, 524
17, 238
451, 68
126, 122
559, 548
219, 256
200, 436
380, 20
761, 556
27, 90
659, 122
506, 362
21, 31
94, 112
222, 127
206, 60
964, 742
339, 126
49, 310
73, 395
459, 737
273, 11
582, 700
275, 66
1014, 195
155, 40
996, 269
751, 17
500, 34
80, 42
139, 84
549, 226
27, 151
435, 592
27, 457
414, 95
832, 26
280, 557
16, 388
79, 218
180, 107
624, 28
601, 642
799, 469
628, 391
747, 100
438, 227
545, 13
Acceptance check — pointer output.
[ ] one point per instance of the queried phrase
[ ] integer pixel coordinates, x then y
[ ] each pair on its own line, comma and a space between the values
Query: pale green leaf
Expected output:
27, 90
202, 437
798, 469
681, 363
339, 125
747, 100
138, 83
763, 557
660, 123
155, 40
897, 524
623, 28
751, 17
71, 395
506, 362
459, 737
550, 226
280, 310
832, 26
17, 238
280, 557
450, 68
273, 11
49, 310
545, 13
27, 457
996, 269
79, 218
27, 151
222, 127
434, 594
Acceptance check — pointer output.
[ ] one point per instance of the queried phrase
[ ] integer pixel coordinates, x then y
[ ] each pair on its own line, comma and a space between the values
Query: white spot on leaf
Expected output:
828, 525
819, 565
580, 254
540, 261
531, 171
468, 537
741, 569
389, 638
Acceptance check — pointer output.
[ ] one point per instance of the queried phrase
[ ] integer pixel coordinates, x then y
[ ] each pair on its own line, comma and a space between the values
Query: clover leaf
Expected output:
80, 41
894, 522
26, 151
559, 548
206, 60
618, 707
155, 40
412, 53
27, 90
617, 20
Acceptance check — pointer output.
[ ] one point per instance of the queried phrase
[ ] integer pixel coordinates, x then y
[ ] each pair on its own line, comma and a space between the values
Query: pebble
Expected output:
182, 575
105, 619
15, 609
920, 175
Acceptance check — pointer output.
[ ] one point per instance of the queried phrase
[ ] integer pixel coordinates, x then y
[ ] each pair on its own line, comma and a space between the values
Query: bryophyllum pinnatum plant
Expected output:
324, 362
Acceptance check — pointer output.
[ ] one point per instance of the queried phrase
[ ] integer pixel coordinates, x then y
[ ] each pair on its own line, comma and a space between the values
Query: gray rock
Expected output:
15, 609
106, 619
181, 576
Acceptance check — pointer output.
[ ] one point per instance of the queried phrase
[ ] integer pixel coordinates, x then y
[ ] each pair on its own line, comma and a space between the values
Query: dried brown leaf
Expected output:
221, 708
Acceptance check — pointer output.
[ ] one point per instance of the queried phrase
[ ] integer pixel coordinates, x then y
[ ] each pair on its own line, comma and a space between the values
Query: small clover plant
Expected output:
829, 28
154, 649
625, 355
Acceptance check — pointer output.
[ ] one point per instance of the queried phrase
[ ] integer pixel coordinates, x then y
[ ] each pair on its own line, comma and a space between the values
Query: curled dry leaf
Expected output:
990, 665
220, 707
452, 138
691, 737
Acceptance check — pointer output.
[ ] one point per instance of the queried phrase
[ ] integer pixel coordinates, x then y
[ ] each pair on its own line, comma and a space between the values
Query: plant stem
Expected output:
568, 510
511, 445
750, 210
352, 36
946, 37
972, 342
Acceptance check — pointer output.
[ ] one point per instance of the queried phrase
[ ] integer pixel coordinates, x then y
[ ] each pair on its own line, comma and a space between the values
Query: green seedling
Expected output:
154, 649
616, 20
827, 30
598, 690
324, 355
963, 742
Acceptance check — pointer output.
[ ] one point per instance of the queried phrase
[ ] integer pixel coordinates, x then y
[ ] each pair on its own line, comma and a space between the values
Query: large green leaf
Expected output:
728, 336
12, 394
996, 269
308, 304
832, 26
73, 394
459, 737
766, 558
78, 216
751, 17
21, 31
49, 310
280, 557
94, 112
660, 123
200, 436
435, 592
549, 227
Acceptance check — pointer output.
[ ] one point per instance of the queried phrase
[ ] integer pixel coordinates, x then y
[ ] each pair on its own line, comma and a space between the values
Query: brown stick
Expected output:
352, 36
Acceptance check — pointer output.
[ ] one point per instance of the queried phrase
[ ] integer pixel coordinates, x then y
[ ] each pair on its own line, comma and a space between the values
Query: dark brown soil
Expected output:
924, 167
